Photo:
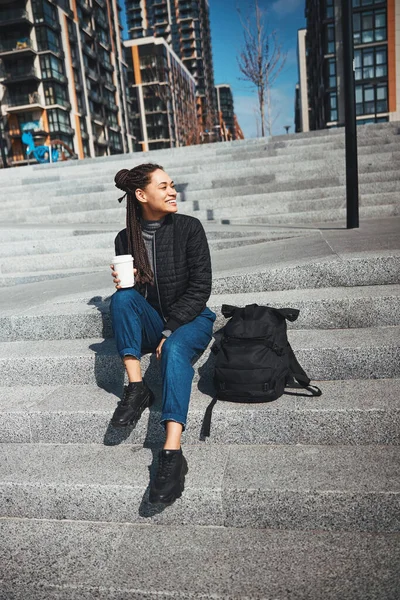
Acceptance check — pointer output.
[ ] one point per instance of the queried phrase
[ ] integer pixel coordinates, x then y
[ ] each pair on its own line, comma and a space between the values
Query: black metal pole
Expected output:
350, 117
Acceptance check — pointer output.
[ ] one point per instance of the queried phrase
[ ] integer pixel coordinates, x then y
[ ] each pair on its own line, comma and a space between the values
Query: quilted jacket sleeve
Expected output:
198, 291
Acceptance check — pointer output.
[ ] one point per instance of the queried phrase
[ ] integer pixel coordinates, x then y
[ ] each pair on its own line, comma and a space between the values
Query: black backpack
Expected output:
254, 360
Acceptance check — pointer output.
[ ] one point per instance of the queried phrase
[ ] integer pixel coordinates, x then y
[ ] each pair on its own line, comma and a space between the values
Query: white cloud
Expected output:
285, 7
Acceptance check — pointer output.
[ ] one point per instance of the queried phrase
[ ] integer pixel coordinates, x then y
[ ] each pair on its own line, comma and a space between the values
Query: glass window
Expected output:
371, 99
329, 9
330, 38
55, 93
52, 67
370, 63
59, 120
370, 26
357, 3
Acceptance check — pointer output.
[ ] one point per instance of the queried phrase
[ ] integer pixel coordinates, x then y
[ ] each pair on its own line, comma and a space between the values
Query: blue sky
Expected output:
284, 16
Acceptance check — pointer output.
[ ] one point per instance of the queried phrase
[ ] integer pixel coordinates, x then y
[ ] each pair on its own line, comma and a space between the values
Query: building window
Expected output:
330, 73
51, 67
358, 3
371, 98
370, 26
370, 63
330, 38
329, 9
55, 93
47, 40
331, 108
44, 12
59, 121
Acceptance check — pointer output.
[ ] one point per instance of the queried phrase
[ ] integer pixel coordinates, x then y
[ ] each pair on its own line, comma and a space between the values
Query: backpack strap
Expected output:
299, 378
227, 310
206, 426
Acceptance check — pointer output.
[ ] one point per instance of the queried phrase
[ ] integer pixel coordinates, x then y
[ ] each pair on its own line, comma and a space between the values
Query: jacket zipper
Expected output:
155, 275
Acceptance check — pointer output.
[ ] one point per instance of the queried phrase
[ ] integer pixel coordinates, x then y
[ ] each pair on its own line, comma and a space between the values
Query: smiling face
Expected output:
158, 198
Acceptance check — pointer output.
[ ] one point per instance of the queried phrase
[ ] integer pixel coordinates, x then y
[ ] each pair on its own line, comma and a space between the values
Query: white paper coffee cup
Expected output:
123, 265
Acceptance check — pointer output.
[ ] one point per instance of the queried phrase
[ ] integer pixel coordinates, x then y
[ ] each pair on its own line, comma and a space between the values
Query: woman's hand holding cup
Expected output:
116, 280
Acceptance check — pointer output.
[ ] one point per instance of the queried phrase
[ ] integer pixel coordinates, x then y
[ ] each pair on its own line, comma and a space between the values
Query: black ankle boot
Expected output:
136, 398
169, 482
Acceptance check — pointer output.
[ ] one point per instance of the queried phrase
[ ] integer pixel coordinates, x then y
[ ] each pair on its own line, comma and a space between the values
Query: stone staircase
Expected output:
297, 499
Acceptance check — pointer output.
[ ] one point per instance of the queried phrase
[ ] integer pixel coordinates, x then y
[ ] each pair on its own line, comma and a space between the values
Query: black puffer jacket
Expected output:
183, 268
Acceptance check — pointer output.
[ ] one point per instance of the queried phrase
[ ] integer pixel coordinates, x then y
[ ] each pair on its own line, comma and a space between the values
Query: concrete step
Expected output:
234, 275
55, 242
196, 163
12, 279
272, 165
331, 488
318, 216
329, 308
271, 206
350, 412
324, 354
88, 256
43, 561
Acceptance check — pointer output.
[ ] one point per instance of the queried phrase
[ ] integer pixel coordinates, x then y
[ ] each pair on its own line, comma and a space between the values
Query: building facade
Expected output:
162, 95
376, 26
229, 127
302, 122
185, 25
62, 77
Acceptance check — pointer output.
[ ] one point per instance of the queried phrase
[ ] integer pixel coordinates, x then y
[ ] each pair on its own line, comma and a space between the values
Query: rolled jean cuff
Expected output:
130, 352
173, 417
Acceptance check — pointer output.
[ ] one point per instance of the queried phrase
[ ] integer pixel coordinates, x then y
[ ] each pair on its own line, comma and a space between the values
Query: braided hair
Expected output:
129, 181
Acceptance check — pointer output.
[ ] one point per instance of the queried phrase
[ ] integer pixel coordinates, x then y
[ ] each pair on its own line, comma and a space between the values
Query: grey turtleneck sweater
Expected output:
149, 229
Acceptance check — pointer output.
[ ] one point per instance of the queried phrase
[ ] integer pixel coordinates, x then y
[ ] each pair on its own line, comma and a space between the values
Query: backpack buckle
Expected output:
278, 350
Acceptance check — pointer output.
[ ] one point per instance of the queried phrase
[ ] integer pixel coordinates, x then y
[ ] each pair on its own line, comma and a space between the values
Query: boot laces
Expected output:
165, 467
126, 397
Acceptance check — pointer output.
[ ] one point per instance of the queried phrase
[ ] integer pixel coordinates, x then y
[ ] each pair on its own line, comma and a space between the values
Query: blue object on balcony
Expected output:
39, 152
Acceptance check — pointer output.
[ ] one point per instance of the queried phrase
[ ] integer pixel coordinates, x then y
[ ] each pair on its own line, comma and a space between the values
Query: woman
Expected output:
164, 313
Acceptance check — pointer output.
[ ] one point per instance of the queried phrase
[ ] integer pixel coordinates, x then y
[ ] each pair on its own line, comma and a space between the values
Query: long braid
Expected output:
129, 181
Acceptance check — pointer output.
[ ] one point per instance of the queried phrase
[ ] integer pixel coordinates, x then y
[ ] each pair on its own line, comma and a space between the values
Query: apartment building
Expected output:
185, 26
376, 26
229, 127
63, 77
162, 95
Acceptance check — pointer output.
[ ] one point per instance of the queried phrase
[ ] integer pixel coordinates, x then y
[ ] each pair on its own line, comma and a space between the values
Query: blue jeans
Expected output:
138, 330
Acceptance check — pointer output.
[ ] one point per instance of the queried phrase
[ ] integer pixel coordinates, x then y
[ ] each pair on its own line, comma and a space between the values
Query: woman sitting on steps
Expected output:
165, 312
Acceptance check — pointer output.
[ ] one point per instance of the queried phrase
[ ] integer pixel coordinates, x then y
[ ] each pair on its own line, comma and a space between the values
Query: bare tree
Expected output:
260, 62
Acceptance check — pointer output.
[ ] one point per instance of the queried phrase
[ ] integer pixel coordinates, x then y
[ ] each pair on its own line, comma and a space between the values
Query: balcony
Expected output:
61, 128
95, 97
9, 17
24, 102
21, 46
60, 77
10, 78
89, 51
37, 129
60, 103
101, 141
87, 28
100, 20
108, 66
92, 73
113, 107
84, 4
98, 118
108, 85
